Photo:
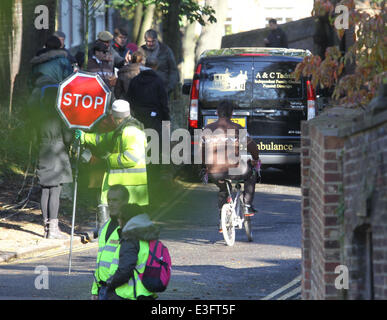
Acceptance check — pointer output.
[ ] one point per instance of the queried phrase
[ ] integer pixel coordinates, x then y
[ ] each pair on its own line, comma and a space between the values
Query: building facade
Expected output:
71, 20
261, 11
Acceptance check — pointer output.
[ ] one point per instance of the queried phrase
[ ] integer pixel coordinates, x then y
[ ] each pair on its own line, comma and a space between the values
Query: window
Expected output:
273, 80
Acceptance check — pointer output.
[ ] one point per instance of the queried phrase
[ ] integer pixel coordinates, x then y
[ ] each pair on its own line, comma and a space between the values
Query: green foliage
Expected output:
188, 8
192, 11
368, 54
14, 145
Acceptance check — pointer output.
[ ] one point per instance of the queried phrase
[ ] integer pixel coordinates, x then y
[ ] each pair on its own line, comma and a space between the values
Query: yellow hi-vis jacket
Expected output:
106, 257
125, 155
134, 287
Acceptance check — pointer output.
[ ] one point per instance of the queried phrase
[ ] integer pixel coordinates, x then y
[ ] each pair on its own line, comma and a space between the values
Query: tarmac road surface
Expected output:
203, 266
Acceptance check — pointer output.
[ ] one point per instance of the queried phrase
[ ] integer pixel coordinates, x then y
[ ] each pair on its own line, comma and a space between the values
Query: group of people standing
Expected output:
140, 79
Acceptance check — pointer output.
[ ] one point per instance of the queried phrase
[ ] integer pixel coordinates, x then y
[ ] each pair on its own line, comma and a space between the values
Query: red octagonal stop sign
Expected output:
83, 99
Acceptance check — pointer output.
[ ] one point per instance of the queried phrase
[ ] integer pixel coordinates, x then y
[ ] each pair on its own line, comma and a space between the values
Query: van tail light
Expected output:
311, 99
194, 103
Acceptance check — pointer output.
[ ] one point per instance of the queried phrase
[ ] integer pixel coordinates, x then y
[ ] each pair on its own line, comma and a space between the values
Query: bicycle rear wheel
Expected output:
228, 228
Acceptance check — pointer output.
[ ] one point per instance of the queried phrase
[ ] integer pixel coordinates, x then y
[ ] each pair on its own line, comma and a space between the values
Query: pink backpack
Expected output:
158, 267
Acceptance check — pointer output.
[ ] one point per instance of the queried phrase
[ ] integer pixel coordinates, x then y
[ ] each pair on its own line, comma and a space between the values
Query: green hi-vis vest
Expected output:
106, 256
126, 162
126, 290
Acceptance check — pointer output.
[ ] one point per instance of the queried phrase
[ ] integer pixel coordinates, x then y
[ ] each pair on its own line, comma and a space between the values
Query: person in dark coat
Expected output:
52, 140
119, 42
135, 225
148, 97
126, 74
51, 61
277, 37
62, 37
167, 69
50, 66
100, 63
149, 102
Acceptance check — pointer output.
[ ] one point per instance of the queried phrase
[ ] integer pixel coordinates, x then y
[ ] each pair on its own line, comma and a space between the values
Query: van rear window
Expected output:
227, 79
274, 80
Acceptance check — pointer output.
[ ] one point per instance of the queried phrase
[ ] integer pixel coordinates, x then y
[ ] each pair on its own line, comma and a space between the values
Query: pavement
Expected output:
21, 235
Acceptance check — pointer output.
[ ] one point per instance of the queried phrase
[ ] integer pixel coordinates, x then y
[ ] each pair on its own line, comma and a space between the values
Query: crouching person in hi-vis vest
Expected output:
136, 230
108, 240
124, 150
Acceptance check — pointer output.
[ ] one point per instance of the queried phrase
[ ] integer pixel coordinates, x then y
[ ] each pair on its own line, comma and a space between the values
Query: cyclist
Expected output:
221, 142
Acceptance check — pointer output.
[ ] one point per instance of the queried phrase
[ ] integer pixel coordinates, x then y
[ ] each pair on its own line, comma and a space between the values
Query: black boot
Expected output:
54, 231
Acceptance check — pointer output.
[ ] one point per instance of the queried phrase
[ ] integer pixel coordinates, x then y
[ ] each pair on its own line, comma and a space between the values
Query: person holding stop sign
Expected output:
124, 151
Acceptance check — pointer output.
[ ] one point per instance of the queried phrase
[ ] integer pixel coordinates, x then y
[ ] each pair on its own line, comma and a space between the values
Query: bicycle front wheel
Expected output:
228, 227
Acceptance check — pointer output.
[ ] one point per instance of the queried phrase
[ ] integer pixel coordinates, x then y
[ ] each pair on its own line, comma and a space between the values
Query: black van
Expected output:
271, 103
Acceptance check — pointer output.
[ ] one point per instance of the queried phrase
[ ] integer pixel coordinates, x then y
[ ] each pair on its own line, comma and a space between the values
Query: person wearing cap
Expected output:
106, 38
100, 63
124, 151
115, 59
62, 37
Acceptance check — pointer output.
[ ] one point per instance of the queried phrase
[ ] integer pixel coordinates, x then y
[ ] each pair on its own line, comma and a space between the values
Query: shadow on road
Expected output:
228, 282
288, 176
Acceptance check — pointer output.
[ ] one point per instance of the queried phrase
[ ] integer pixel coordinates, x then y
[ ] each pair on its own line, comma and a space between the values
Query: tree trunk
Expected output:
146, 22
211, 35
15, 50
189, 43
86, 10
137, 23
5, 41
171, 30
24, 41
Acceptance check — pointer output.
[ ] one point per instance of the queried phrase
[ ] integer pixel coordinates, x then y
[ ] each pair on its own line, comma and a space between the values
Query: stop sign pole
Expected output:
83, 99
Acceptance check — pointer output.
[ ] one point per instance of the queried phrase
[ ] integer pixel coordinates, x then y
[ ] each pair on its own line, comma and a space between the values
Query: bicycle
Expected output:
232, 216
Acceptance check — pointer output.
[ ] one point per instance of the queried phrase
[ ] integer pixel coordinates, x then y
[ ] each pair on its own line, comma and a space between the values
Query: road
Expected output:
203, 266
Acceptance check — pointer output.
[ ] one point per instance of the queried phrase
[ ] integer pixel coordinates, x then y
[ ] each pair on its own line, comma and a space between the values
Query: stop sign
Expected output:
83, 99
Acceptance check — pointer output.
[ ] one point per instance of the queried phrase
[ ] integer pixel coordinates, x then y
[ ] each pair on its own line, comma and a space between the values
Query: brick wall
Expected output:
365, 215
344, 206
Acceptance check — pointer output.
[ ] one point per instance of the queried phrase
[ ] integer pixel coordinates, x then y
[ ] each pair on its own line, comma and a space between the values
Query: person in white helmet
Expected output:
124, 151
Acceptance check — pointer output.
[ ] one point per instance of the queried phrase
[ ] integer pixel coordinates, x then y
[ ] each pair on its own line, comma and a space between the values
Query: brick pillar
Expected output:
305, 208
321, 191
